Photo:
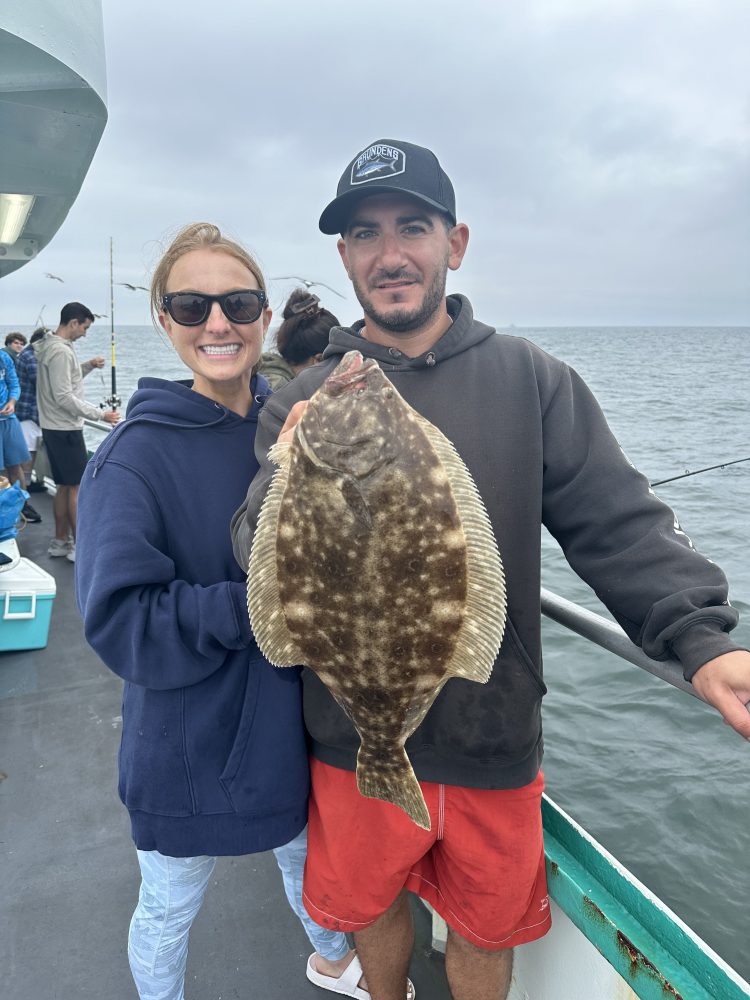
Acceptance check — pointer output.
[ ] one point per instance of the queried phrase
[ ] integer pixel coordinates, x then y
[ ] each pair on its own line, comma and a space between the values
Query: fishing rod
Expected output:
709, 468
112, 401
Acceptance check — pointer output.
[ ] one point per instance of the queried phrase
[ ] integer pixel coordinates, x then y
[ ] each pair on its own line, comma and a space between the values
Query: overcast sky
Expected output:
599, 150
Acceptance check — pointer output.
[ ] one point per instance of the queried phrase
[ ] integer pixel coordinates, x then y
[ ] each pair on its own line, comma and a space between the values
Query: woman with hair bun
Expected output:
300, 340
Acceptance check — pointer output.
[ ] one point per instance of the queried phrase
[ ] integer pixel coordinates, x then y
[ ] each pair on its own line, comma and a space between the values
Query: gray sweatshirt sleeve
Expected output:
625, 542
243, 524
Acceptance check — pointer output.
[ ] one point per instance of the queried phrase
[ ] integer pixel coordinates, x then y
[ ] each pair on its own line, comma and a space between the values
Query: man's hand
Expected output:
97, 362
295, 415
724, 682
10, 407
111, 416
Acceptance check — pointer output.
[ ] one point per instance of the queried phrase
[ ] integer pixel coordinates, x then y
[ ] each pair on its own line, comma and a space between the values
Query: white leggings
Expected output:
172, 890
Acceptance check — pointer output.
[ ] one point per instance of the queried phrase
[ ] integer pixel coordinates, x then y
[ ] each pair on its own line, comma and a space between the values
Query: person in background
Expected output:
300, 339
14, 344
62, 409
213, 760
540, 452
26, 408
13, 451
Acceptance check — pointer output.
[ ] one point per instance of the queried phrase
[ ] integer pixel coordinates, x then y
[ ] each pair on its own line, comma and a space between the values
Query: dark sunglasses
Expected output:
193, 308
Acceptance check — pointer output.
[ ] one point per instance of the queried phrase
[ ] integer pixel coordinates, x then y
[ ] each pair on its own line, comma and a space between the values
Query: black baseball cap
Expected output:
389, 165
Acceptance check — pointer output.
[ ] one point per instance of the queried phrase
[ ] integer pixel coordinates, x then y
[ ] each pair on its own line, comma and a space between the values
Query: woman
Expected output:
213, 759
301, 338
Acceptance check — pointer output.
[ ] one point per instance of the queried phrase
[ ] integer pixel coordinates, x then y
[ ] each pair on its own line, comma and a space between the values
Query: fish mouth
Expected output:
352, 372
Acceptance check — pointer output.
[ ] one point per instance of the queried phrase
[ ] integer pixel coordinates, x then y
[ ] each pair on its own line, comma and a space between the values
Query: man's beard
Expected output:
405, 320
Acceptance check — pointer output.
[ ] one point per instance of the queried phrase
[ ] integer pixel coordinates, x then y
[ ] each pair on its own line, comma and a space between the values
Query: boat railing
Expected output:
611, 637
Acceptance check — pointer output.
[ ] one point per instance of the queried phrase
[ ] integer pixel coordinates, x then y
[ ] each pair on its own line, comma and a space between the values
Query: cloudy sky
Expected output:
599, 150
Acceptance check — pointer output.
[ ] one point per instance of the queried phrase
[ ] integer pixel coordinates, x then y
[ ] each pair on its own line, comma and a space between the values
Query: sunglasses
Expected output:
193, 308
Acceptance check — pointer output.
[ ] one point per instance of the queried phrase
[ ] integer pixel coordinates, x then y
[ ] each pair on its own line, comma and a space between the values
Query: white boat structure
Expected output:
612, 939
52, 115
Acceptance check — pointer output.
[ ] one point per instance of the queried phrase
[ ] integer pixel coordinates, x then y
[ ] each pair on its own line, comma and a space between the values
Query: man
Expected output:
62, 410
26, 408
14, 344
540, 451
13, 451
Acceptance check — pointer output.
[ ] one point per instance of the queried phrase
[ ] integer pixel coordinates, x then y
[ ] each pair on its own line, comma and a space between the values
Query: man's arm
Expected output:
90, 365
61, 387
14, 388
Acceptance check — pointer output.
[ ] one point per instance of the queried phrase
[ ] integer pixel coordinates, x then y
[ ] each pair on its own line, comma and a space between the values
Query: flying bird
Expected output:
100, 316
133, 288
53, 276
307, 283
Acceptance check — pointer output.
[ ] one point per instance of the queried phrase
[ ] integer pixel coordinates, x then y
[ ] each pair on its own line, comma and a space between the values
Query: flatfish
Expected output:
375, 565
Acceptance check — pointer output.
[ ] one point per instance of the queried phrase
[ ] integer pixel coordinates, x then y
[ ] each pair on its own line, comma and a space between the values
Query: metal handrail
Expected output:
610, 636
97, 425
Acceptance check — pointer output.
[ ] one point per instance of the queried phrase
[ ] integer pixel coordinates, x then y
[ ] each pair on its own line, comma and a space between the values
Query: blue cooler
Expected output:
26, 596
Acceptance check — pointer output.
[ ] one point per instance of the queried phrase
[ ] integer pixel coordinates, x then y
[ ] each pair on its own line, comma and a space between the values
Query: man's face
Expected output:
16, 346
397, 252
79, 329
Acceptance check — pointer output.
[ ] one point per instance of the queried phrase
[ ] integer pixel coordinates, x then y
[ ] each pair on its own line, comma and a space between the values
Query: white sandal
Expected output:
346, 983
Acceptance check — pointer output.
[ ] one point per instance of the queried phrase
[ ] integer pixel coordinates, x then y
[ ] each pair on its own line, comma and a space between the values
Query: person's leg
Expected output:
474, 973
329, 945
172, 890
72, 509
15, 475
60, 509
384, 950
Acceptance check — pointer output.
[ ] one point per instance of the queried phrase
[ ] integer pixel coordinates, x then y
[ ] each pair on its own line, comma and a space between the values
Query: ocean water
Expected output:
652, 773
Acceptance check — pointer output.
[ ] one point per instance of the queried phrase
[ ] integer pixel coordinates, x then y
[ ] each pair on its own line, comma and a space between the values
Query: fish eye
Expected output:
387, 391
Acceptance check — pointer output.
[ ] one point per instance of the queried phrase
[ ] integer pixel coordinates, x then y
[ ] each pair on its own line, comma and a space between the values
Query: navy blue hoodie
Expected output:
213, 758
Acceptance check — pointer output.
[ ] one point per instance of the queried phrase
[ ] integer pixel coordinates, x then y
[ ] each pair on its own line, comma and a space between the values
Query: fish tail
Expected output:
392, 780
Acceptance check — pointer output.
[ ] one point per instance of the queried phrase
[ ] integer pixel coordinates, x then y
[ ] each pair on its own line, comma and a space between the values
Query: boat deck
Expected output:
69, 871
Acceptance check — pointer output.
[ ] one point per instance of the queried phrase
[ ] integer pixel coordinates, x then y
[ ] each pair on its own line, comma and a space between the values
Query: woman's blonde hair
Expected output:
197, 236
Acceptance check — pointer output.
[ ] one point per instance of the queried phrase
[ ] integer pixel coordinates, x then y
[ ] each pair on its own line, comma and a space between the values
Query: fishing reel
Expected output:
112, 402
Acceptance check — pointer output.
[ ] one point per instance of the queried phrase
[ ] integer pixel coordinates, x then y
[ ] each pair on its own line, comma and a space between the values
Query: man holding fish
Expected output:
426, 425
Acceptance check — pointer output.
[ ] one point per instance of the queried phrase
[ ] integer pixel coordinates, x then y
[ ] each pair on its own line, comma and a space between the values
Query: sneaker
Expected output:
30, 514
70, 555
36, 487
58, 548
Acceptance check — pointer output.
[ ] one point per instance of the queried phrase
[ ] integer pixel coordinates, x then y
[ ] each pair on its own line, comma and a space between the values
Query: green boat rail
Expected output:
657, 955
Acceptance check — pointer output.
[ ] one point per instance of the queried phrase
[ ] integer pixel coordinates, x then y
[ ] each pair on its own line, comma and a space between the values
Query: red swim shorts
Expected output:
481, 866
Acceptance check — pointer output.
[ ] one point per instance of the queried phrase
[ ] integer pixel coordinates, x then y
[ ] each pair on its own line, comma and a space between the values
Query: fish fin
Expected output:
392, 781
352, 493
481, 632
279, 453
267, 617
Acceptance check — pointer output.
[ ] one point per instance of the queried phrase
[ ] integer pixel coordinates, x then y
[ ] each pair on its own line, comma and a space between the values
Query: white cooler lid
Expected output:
10, 548
27, 578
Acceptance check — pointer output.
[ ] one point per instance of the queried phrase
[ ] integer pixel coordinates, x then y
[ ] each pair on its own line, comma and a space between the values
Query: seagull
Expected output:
307, 283
100, 316
53, 276
133, 288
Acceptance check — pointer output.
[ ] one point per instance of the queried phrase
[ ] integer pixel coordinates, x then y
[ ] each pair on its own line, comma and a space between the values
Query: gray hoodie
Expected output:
59, 386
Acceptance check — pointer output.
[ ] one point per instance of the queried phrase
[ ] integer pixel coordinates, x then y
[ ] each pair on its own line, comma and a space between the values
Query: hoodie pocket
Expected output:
154, 774
267, 768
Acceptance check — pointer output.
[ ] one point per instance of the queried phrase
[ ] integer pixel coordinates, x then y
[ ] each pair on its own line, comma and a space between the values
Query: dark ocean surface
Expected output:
650, 772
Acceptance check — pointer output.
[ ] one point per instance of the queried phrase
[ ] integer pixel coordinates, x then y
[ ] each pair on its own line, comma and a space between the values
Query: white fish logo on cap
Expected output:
377, 162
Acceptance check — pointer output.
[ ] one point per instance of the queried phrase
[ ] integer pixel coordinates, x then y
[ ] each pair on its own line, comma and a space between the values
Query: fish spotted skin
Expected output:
374, 564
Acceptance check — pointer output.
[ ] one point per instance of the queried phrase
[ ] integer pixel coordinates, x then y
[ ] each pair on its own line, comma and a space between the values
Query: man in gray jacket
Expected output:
62, 409
540, 452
